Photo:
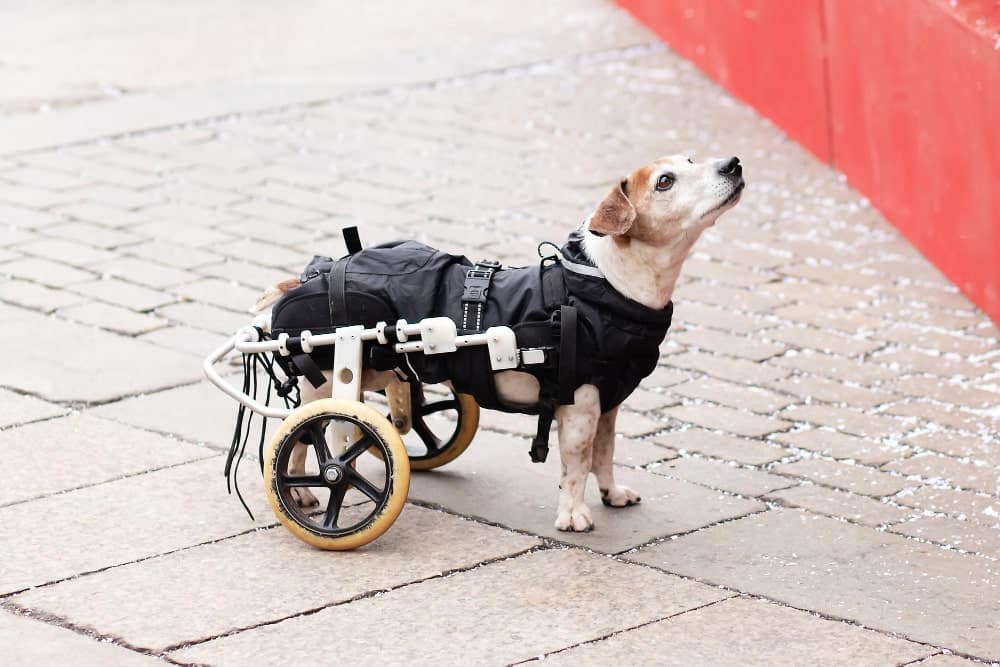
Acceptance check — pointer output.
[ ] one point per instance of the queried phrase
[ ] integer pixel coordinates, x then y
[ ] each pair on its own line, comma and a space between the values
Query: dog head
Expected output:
669, 198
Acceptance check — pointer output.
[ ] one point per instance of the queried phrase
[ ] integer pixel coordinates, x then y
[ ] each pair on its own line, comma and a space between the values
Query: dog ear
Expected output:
615, 214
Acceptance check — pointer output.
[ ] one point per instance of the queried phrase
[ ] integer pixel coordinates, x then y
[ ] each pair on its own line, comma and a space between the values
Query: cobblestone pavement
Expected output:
817, 451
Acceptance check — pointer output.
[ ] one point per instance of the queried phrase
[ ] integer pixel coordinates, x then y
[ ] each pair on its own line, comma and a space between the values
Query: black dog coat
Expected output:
617, 339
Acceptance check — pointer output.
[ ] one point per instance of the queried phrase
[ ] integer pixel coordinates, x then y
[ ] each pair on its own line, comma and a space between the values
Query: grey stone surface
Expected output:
78, 450
197, 412
63, 361
18, 409
267, 576
30, 643
884, 581
744, 631
497, 614
88, 529
494, 479
718, 475
851, 506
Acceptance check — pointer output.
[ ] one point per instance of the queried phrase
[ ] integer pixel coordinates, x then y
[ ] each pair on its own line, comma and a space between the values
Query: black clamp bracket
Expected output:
474, 294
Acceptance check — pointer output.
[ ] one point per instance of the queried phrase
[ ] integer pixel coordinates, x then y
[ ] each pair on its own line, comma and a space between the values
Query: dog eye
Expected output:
665, 182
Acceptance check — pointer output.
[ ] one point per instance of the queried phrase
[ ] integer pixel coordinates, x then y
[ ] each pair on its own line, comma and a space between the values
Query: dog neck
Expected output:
638, 270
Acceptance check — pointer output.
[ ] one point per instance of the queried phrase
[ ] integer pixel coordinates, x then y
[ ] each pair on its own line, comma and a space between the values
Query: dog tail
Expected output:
272, 294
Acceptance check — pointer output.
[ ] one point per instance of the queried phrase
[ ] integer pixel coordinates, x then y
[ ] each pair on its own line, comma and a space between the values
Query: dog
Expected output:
637, 240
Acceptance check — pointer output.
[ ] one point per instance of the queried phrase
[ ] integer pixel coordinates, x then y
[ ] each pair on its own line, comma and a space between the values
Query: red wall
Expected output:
902, 95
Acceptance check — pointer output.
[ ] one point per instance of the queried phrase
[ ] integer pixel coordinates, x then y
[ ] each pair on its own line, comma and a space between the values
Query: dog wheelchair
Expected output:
339, 430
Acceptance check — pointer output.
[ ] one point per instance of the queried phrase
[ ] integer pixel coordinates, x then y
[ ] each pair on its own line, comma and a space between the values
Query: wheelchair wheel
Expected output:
442, 427
331, 501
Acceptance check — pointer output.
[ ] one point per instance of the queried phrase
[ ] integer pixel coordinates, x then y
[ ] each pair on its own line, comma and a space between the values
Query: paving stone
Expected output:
905, 361
110, 317
28, 643
19, 409
734, 370
847, 571
821, 316
646, 399
822, 340
173, 255
121, 293
719, 318
495, 480
858, 479
124, 520
121, 197
265, 254
964, 535
962, 504
185, 339
145, 272
67, 252
947, 660
202, 316
948, 392
956, 444
44, 271
269, 575
745, 481
551, 609
841, 446
985, 478
101, 451
940, 414
187, 235
93, 235
636, 453
721, 446
219, 293
734, 395
101, 214
24, 216
847, 420
859, 509
727, 297
35, 296
631, 424
245, 273
833, 366
196, 412
124, 366
663, 377
809, 388
768, 634
717, 417
934, 341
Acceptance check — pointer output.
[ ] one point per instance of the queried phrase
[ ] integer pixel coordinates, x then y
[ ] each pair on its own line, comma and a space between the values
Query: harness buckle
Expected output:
477, 286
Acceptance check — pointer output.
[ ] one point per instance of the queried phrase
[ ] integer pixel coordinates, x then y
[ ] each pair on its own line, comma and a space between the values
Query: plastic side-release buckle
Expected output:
477, 286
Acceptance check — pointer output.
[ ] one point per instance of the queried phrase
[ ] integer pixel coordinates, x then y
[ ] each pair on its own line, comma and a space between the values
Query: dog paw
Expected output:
304, 497
577, 521
619, 496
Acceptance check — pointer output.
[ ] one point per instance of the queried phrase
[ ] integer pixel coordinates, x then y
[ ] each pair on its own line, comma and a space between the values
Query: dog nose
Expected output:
730, 167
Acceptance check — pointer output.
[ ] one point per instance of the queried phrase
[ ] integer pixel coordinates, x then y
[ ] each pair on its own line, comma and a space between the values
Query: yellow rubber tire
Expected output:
397, 473
468, 424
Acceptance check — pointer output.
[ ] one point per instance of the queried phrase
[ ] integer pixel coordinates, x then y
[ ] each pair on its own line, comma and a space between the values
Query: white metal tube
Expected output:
209, 367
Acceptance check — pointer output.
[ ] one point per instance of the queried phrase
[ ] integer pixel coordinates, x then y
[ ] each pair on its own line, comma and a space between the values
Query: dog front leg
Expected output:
577, 426
603, 465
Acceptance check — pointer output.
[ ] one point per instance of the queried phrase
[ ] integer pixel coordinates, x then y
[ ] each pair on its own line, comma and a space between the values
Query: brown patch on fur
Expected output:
288, 285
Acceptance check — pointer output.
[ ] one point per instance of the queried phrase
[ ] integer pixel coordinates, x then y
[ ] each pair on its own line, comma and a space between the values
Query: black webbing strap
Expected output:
540, 443
474, 294
567, 354
335, 291
351, 239
308, 367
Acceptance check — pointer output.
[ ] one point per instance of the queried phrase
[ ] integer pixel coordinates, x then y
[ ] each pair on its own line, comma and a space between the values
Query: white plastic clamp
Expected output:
283, 345
401, 331
305, 339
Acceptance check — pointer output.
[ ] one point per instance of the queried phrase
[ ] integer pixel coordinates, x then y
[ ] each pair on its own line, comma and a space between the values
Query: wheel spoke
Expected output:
318, 435
303, 480
333, 506
432, 442
355, 479
437, 406
357, 449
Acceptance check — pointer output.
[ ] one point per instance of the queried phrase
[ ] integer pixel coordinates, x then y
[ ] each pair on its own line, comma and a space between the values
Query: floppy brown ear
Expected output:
615, 214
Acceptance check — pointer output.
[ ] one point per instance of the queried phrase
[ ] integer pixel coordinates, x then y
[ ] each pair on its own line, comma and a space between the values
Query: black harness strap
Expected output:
474, 295
567, 354
308, 367
351, 239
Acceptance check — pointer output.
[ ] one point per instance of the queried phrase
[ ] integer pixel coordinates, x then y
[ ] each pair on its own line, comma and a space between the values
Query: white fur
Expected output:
643, 263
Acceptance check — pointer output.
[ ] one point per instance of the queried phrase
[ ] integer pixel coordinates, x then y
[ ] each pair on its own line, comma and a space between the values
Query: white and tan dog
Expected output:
641, 233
